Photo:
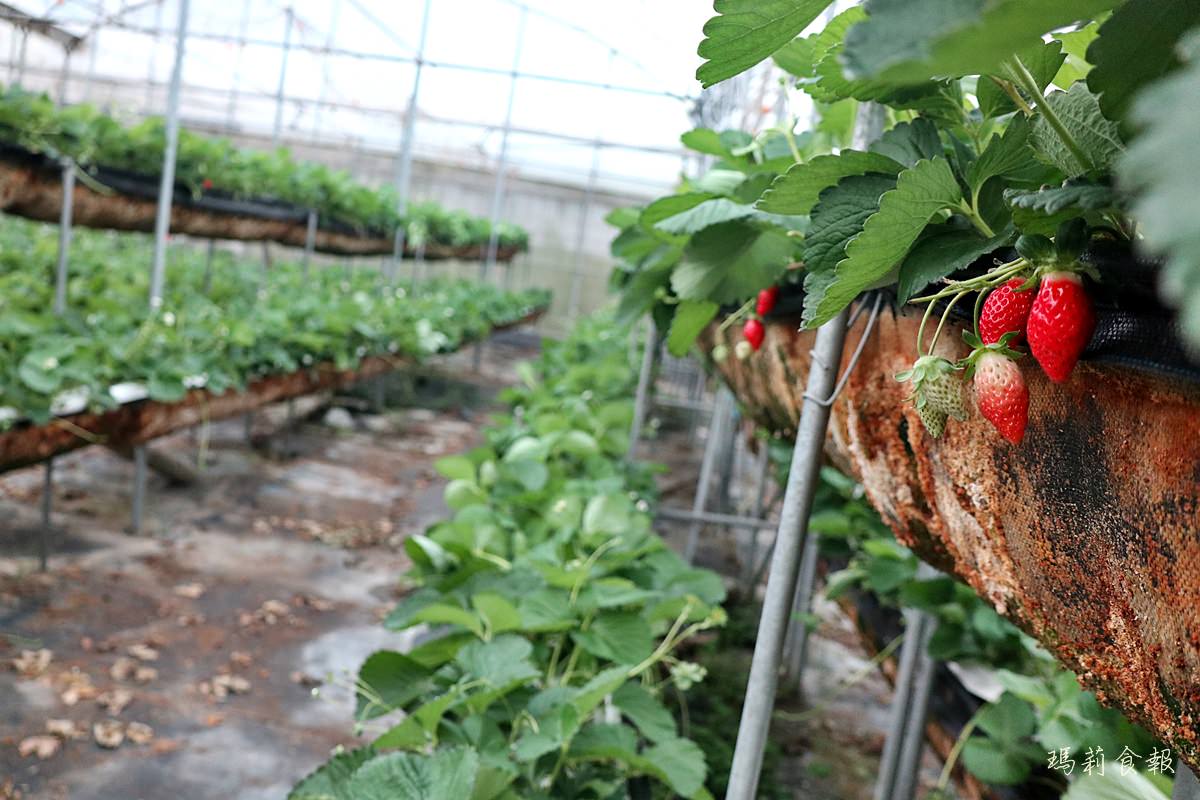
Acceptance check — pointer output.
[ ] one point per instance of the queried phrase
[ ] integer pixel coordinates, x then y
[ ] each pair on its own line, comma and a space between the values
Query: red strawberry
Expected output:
1001, 394
1060, 324
206, 184
754, 332
1005, 310
766, 300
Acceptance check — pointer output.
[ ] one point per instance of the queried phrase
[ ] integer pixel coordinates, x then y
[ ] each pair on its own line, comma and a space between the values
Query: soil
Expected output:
234, 625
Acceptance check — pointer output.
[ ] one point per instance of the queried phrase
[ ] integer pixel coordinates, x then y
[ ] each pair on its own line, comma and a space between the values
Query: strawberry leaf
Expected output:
690, 318
1097, 136
731, 261
745, 32
943, 253
799, 189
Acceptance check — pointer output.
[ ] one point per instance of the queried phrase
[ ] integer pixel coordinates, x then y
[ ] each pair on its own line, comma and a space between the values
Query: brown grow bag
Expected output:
1087, 535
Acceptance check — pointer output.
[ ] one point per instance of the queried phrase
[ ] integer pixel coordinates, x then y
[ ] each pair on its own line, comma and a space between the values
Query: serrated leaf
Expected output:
1166, 183
667, 207
1097, 137
691, 317
909, 142
1114, 785
938, 99
729, 262
680, 762
646, 711
499, 615
547, 610
839, 217
943, 253
801, 56
704, 215
746, 32
592, 693
1135, 47
1042, 210
330, 781
617, 636
389, 680
500, 662
1007, 155
706, 141
798, 190
607, 513
1043, 60
907, 41
456, 468
409, 776
921, 193
446, 614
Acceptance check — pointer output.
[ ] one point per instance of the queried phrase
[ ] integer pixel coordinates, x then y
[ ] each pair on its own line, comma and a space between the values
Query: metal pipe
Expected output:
231, 112
502, 163
93, 49
64, 236
714, 518
718, 433
789, 543
310, 238
21, 57
909, 763
334, 16
290, 20
1186, 786
763, 464
641, 399
404, 164
801, 605
64, 77
166, 187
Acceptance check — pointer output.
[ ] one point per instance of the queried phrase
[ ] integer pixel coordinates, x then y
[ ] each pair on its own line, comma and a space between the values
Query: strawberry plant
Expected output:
552, 614
92, 139
219, 330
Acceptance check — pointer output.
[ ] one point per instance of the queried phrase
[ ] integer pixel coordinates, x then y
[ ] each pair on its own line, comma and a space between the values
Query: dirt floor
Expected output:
211, 657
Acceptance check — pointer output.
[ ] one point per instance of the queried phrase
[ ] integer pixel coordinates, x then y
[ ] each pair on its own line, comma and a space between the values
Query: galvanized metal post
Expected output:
718, 434
763, 471
310, 238
162, 224
641, 400
901, 758
64, 75
151, 68
290, 21
797, 646
404, 163
793, 529
334, 16
243, 28
166, 186
21, 58
502, 163
93, 49
1186, 786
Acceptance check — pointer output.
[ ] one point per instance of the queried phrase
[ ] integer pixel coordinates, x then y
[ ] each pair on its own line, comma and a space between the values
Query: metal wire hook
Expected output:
858, 351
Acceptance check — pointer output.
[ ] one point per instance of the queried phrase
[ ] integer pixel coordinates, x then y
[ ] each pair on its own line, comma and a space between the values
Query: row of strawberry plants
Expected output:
217, 328
207, 164
1019, 154
552, 615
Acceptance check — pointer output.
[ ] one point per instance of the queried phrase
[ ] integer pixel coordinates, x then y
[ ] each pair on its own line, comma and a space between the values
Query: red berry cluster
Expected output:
753, 330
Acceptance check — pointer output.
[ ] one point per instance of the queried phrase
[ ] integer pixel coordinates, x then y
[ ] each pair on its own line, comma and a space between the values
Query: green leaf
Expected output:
401, 616
729, 262
839, 217
1113, 785
592, 693
747, 31
939, 99
456, 468
706, 141
921, 192
500, 662
388, 680
649, 715
607, 513
444, 613
1007, 155
691, 317
1074, 196
617, 636
801, 56
331, 780
681, 764
798, 190
604, 741
417, 729
704, 215
409, 776
499, 615
1137, 45
907, 41
943, 252
671, 205
547, 610
1097, 137
1005, 756
909, 142
1166, 182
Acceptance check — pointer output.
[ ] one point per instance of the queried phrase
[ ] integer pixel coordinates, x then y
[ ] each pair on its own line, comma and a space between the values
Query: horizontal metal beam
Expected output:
712, 518
40, 25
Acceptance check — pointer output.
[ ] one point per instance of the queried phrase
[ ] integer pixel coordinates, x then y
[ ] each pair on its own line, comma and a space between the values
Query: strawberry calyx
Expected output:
979, 350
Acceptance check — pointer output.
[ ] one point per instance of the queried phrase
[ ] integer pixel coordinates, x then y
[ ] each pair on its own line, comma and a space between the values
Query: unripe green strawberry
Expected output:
1006, 310
1060, 324
1002, 395
943, 391
933, 420
936, 394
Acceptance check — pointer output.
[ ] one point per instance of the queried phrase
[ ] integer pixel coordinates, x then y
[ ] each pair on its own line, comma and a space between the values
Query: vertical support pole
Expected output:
581, 234
152, 67
93, 45
243, 27
718, 435
797, 646
763, 470
404, 162
319, 108
641, 400
502, 163
166, 187
310, 238
792, 534
789, 543
1186, 786
22, 56
290, 21
63, 76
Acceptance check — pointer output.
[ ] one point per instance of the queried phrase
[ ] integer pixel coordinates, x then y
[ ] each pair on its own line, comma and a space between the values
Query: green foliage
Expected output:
745, 32
221, 332
555, 609
91, 138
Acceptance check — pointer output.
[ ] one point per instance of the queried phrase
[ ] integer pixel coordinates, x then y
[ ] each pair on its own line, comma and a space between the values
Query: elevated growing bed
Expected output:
1087, 535
138, 422
31, 187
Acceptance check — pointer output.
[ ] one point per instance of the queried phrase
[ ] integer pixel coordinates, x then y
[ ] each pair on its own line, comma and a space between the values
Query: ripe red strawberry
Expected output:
754, 332
1004, 311
206, 184
1060, 323
766, 300
1001, 394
